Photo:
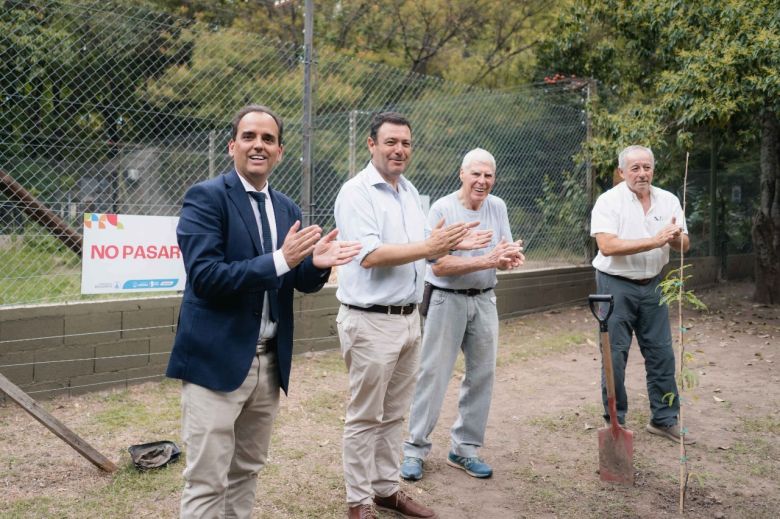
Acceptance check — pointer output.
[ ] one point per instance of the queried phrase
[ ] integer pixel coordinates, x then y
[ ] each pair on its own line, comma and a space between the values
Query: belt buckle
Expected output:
389, 309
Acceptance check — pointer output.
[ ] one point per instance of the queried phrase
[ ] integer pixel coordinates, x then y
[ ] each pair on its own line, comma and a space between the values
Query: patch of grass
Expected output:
766, 424
122, 413
289, 453
758, 456
520, 349
568, 421
36, 507
561, 497
128, 493
122, 407
319, 494
37, 267
699, 478
324, 362
325, 407
639, 417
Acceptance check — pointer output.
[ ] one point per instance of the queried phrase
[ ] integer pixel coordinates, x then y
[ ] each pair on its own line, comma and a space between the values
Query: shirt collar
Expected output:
631, 195
249, 187
375, 178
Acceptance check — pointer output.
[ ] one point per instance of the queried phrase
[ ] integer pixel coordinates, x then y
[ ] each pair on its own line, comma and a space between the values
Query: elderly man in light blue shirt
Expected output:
378, 322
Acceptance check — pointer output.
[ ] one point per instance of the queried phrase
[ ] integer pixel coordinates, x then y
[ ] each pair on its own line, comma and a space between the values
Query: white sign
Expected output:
126, 253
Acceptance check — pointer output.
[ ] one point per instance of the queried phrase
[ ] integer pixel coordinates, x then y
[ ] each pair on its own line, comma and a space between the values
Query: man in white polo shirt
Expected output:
635, 224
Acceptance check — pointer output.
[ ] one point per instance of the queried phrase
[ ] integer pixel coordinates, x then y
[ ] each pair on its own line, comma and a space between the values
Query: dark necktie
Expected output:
268, 244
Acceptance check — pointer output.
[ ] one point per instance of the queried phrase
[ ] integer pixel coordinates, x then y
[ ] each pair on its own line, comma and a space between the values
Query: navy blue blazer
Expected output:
227, 277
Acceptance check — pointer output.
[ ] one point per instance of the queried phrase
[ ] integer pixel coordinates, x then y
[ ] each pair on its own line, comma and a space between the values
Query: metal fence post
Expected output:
306, 204
713, 192
352, 142
212, 168
590, 180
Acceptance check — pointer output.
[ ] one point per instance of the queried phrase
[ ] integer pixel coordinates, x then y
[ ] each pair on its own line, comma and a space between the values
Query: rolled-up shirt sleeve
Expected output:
356, 219
602, 218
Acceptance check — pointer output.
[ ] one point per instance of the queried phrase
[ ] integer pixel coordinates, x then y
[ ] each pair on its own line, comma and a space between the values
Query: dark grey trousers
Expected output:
637, 312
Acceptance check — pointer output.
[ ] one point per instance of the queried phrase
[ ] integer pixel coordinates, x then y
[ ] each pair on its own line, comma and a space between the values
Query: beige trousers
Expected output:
382, 353
226, 437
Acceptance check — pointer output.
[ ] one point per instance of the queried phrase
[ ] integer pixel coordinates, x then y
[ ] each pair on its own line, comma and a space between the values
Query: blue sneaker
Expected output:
412, 468
473, 466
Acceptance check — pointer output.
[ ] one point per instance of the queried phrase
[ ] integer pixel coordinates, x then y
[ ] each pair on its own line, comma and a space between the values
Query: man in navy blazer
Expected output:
244, 252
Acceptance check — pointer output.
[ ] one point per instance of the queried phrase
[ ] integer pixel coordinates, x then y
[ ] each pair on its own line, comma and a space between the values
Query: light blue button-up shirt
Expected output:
371, 211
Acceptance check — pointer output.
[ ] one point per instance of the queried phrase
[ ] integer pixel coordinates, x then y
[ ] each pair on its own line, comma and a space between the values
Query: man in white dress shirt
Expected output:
635, 224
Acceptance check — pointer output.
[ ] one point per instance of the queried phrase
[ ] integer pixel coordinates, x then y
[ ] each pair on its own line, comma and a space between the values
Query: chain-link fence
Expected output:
113, 109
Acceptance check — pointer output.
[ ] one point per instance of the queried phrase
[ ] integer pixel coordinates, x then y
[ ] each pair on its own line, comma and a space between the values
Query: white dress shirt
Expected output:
267, 326
371, 211
619, 212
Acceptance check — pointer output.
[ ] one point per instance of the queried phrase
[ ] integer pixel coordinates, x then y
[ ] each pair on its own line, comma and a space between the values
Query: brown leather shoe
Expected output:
403, 504
361, 512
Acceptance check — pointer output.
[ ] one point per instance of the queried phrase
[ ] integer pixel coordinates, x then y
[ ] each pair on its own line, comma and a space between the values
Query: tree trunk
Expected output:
766, 224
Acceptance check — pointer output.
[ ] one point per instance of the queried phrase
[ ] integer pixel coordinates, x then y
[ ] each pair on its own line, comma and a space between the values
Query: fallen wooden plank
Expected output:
55, 426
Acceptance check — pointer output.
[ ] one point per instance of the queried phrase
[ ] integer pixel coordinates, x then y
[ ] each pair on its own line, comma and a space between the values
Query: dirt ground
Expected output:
541, 437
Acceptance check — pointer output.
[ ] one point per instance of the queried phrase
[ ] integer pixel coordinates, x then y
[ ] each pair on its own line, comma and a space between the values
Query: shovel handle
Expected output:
601, 298
609, 379
606, 354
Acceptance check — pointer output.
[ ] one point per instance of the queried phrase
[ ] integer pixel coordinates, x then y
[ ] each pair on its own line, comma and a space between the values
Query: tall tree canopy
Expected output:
674, 68
485, 42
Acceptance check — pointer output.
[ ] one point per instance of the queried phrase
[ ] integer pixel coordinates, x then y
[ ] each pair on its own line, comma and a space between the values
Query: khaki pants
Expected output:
226, 437
382, 353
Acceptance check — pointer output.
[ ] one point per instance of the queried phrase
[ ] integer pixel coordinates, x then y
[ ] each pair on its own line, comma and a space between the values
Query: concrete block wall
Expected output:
101, 343
119, 342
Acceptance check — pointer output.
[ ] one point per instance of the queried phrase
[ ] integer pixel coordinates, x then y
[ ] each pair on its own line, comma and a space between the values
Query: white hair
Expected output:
478, 155
630, 149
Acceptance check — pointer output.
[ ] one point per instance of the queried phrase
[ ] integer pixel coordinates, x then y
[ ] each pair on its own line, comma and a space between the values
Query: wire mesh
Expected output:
115, 109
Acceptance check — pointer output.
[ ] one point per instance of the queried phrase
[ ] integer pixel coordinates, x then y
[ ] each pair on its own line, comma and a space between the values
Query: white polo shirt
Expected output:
619, 212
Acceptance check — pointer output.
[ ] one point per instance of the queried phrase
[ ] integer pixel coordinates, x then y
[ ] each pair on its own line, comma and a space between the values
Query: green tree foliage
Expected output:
563, 207
70, 74
673, 68
482, 42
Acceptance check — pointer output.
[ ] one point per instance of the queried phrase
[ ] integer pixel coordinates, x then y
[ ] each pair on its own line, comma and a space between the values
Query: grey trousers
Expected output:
455, 322
226, 436
637, 311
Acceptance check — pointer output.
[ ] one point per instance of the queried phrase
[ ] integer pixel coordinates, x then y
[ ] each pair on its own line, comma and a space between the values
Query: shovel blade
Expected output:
616, 455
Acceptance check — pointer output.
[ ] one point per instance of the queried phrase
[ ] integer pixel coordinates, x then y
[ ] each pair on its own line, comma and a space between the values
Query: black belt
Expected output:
471, 292
389, 310
634, 281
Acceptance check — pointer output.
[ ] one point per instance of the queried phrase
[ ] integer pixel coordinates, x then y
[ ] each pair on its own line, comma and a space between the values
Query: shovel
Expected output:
616, 444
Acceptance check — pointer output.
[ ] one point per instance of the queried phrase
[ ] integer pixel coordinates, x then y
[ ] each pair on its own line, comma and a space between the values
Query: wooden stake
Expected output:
55, 426
681, 423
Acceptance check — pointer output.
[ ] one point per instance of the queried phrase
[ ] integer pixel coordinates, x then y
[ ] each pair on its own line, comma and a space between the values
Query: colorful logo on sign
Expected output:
101, 221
